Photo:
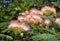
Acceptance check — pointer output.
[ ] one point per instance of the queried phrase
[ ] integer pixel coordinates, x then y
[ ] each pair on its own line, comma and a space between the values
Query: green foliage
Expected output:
6, 36
56, 4
44, 37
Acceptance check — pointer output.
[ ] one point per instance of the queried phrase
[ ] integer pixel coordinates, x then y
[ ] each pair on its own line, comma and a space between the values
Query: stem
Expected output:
2, 38
7, 39
15, 37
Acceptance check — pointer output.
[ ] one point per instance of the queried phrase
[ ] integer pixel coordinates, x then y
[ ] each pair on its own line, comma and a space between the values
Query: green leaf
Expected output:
6, 36
4, 24
45, 37
13, 13
56, 4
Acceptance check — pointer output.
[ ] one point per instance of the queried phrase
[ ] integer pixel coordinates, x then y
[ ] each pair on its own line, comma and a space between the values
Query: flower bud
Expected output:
57, 21
47, 22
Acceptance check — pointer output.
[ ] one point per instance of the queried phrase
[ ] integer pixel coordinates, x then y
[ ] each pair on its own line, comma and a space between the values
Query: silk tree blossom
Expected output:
28, 17
34, 18
33, 11
40, 12
14, 21
27, 12
13, 24
53, 10
57, 21
40, 25
22, 18
21, 34
47, 22
24, 13
48, 9
25, 26
31, 20
37, 18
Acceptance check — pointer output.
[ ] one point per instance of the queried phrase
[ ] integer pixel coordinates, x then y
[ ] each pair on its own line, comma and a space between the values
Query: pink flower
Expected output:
28, 16
53, 10
57, 21
34, 18
22, 18
37, 18
31, 20
47, 22
48, 8
33, 11
40, 12
24, 13
25, 26
27, 12
13, 24
14, 21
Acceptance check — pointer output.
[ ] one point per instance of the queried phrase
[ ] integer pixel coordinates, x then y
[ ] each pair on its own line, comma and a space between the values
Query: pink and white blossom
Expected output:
13, 24
57, 21
22, 18
48, 8
47, 22
25, 26
24, 13
37, 18
33, 11
40, 12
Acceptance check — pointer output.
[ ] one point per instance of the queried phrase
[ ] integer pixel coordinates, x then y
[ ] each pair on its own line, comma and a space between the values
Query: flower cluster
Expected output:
48, 10
34, 16
21, 26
